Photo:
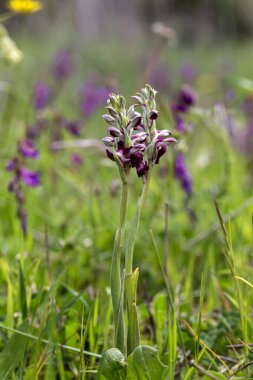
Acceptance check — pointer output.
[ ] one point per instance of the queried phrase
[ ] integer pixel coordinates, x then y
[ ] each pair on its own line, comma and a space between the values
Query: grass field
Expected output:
194, 251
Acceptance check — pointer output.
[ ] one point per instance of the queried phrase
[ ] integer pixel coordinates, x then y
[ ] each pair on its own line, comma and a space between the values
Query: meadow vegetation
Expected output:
60, 208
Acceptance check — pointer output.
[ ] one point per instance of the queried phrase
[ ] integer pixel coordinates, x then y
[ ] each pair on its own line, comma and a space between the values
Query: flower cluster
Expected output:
134, 141
26, 149
185, 99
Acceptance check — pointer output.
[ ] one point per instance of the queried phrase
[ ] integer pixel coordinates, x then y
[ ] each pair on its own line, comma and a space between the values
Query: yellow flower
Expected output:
24, 6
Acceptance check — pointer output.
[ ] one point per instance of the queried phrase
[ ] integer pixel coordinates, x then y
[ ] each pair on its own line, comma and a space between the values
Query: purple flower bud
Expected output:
27, 149
161, 142
139, 138
153, 115
108, 118
163, 133
142, 168
139, 100
115, 132
135, 122
63, 65
42, 94
31, 179
109, 141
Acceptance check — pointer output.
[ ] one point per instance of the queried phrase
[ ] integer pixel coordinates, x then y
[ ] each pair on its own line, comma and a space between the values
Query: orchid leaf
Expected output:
112, 366
144, 364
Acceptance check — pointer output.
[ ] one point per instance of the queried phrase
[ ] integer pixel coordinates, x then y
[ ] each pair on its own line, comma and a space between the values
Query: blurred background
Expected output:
194, 20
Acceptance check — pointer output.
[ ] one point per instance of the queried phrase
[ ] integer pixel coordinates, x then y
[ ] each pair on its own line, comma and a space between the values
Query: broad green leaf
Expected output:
144, 364
13, 353
112, 366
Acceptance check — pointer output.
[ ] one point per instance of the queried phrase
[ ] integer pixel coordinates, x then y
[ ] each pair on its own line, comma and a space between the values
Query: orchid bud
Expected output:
122, 102
153, 115
108, 118
109, 141
135, 122
112, 111
115, 132
114, 101
139, 137
164, 133
139, 100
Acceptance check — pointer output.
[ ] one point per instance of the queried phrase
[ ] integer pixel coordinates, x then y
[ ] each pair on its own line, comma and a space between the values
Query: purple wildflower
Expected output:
27, 149
22, 175
42, 94
63, 65
182, 174
31, 179
185, 99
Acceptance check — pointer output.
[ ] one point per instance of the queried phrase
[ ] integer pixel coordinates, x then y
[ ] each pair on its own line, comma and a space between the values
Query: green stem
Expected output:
131, 279
135, 226
115, 276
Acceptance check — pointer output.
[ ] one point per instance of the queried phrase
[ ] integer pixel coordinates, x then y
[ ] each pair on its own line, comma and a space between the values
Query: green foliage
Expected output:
112, 366
13, 355
58, 279
144, 364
